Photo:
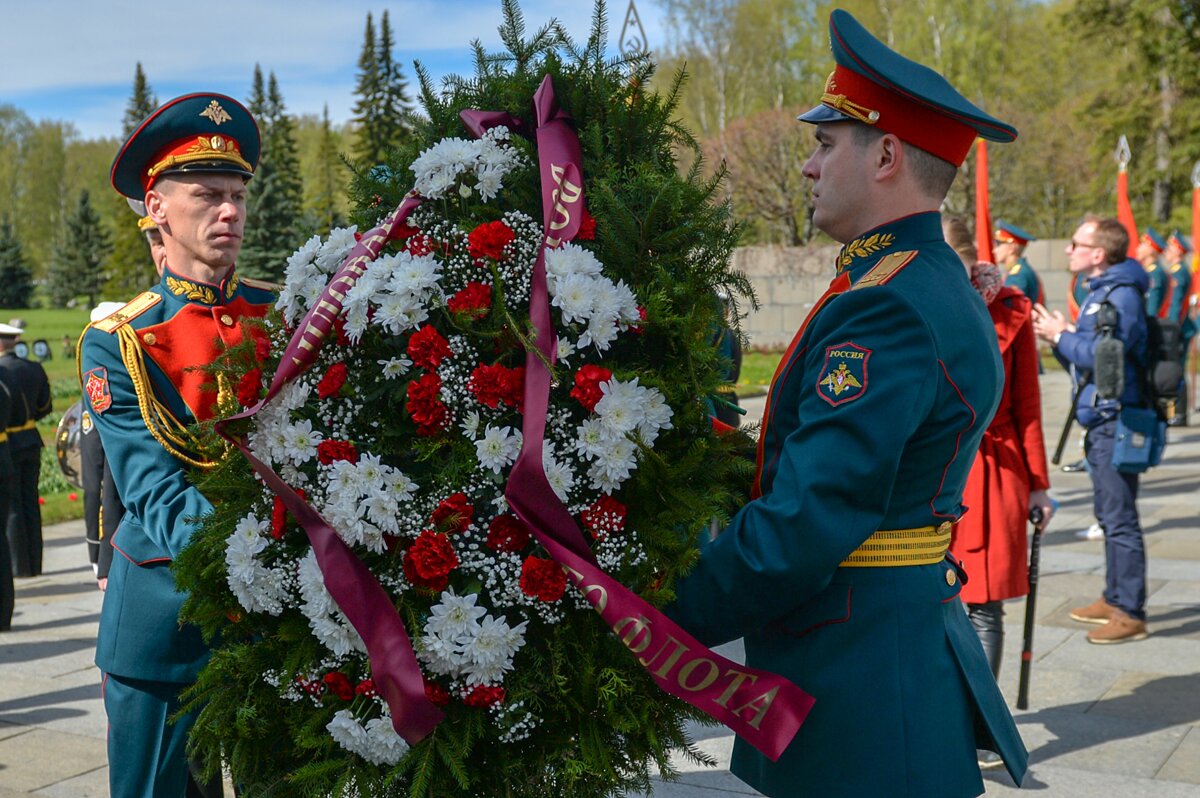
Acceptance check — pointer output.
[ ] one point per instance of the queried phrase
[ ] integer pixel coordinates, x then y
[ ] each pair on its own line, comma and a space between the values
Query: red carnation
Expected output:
339, 327
429, 561
427, 348
333, 381
366, 687
425, 405
453, 514
543, 579
262, 344
402, 232
312, 687
329, 451
249, 386
279, 515
438, 696
587, 228
493, 384
604, 516
484, 696
642, 315
488, 240
339, 684
475, 300
587, 385
507, 533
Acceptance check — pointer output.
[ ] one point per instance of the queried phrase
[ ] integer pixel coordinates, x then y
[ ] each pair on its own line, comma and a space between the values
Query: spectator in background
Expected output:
1009, 476
7, 589
1009, 251
30, 401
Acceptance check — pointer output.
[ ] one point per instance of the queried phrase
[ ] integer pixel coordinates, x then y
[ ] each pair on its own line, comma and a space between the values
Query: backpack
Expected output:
1162, 373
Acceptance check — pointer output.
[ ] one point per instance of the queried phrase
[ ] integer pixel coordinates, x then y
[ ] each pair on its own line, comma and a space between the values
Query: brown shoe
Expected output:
1099, 611
1120, 629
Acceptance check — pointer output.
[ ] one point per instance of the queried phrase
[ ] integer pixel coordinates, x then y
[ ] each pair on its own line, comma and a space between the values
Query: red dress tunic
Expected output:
990, 539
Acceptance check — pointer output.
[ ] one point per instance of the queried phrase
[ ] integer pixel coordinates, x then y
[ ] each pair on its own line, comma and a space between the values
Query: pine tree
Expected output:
321, 211
141, 102
79, 267
395, 107
274, 201
16, 279
369, 93
130, 270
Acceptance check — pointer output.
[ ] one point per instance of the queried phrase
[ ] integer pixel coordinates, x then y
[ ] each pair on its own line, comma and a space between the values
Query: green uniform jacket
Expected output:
873, 422
178, 324
1023, 278
1158, 294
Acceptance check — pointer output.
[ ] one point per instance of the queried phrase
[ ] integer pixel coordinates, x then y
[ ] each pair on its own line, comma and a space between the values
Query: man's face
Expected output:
201, 217
1174, 252
840, 171
1146, 254
1083, 256
1006, 252
158, 250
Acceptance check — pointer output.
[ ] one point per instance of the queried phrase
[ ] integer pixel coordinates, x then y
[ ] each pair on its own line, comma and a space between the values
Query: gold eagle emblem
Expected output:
839, 380
216, 113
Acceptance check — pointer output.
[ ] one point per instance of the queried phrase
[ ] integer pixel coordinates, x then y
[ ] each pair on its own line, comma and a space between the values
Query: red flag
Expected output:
1195, 230
1124, 212
983, 215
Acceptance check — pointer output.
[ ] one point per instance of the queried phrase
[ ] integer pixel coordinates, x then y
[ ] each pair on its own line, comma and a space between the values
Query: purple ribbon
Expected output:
764, 709
358, 594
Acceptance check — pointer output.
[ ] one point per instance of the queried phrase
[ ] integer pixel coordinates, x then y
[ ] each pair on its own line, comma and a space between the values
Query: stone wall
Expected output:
788, 280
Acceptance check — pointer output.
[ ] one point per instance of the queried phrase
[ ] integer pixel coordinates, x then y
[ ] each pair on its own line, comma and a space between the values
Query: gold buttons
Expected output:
150, 339
227, 320
951, 577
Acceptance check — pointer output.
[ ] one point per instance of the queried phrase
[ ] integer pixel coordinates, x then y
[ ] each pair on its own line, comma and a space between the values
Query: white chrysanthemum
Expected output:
335, 249
601, 331
593, 437
613, 466
325, 619
300, 441
656, 415
454, 616
292, 396
565, 350
491, 650
573, 297
626, 304
570, 259
622, 405
498, 447
376, 742
470, 423
559, 475
398, 485
394, 366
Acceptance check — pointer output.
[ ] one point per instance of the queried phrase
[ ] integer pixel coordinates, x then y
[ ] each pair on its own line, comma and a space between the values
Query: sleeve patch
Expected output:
843, 378
95, 385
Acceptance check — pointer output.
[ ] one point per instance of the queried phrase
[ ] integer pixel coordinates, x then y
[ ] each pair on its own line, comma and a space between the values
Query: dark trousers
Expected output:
146, 751
1115, 501
24, 514
8, 593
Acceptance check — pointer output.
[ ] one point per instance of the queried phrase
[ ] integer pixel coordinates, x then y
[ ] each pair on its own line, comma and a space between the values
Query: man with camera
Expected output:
1106, 354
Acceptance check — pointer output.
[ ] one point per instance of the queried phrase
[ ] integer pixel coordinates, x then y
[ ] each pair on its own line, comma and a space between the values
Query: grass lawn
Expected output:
52, 325
757, 370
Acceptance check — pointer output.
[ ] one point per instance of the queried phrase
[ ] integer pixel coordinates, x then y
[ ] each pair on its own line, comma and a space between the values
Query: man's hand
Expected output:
102, 584
1049, 325
1041, 500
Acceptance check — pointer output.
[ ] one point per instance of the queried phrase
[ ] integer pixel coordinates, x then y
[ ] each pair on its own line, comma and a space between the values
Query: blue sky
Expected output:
73, 60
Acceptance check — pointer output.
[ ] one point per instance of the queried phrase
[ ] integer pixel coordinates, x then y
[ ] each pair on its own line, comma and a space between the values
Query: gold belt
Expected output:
890, 548
30, 424
3, 437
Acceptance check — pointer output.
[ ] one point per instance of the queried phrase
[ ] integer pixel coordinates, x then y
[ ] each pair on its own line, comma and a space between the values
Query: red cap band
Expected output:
1148, 240
1006, 237
916, 123
192, 149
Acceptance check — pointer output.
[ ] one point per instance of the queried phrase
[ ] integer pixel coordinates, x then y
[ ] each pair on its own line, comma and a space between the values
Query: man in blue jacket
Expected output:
836, 574
1098, 250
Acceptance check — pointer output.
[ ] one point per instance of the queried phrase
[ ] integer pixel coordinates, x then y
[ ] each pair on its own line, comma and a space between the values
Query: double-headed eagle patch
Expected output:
844, 375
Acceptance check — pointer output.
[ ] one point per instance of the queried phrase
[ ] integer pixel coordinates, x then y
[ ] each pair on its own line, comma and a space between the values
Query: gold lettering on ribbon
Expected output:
705, 682
566, 194
736, 682
636, 625
760, 706
665, 669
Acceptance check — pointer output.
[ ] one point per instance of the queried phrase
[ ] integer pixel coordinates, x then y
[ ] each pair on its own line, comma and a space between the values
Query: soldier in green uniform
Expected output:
189, 162
1149, 249
7, 588
1179, 311
835, 573
1009, 251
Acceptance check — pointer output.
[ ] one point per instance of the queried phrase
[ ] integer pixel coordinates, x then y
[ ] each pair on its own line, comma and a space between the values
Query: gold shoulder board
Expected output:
1016, 267
262, 285
133, 308
887, 268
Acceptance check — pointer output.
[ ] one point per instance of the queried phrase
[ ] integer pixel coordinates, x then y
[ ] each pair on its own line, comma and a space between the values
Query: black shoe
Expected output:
1078, 465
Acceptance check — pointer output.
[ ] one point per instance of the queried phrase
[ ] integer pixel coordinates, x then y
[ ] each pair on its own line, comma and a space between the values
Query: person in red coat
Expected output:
1009, 476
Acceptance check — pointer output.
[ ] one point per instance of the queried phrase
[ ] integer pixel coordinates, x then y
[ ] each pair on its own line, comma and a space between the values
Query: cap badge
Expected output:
216, 113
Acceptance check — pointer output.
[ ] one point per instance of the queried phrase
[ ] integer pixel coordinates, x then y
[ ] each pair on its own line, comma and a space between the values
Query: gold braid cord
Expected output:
159, 419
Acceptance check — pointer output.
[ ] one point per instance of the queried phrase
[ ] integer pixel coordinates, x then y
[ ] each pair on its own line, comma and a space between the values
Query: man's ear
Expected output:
889, 157
156, 206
